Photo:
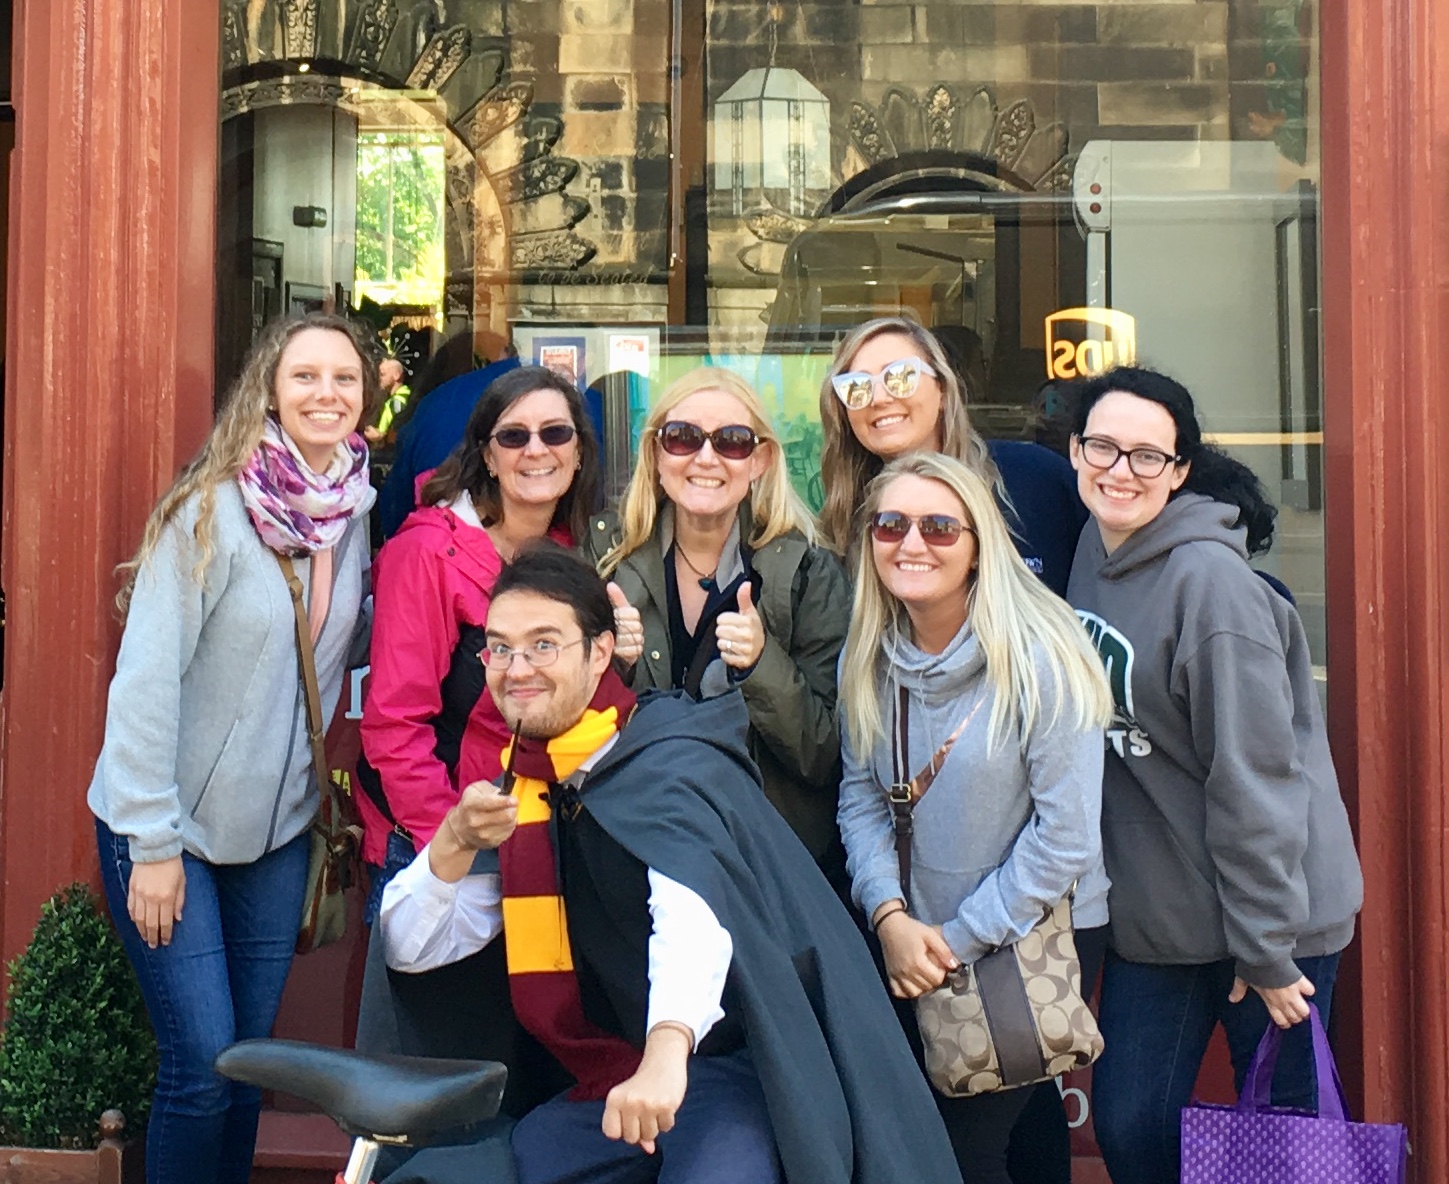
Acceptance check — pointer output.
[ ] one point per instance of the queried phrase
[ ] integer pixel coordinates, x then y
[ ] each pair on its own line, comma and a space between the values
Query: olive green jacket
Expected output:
805, 606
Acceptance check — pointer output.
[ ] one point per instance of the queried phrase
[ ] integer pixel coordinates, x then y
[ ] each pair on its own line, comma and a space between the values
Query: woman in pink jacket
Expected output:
527, 467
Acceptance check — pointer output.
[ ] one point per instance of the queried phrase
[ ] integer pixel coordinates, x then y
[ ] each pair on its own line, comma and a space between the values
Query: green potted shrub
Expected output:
76, 1045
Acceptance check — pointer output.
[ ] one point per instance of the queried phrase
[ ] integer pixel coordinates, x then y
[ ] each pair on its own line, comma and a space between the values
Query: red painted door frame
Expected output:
111, 299
108, 380
1386, 328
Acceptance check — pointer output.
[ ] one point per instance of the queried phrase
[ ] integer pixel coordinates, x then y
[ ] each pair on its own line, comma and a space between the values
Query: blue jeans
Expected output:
721, 1135
1157, 1021
220, 980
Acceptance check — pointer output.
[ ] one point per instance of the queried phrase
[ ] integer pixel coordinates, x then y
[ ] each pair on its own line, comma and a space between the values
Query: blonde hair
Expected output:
1016, 618
236, 434
846, 465
775, 507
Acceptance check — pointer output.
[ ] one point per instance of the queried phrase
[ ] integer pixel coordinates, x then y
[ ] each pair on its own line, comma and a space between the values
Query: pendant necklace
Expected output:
706, 579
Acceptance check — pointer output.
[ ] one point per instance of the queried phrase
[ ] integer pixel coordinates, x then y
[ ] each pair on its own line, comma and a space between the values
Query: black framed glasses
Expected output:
542, 652
553, 435
734, 441
937, 530
900, 380
1102, 453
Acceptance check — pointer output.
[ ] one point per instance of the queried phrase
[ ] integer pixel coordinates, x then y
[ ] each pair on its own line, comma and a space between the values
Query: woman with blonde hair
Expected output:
893, 389
718, 584
950, 627
204, 790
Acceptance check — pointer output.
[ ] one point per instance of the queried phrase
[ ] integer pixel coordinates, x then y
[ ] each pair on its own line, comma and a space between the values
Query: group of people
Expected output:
652, 748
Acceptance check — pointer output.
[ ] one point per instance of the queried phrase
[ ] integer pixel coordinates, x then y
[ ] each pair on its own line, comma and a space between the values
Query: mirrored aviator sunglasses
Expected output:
733, 441
899, 380
553, 435
937, 530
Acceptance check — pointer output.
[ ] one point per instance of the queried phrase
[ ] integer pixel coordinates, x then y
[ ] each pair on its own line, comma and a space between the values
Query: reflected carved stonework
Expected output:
442, 57
943, 121
233, 35
1017, 154
299, 28
376, 20
506, 206
554, 251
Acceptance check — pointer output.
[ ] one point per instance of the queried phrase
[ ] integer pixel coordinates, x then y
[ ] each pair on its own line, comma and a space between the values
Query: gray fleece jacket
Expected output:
1222, 822
1002, 833
206, 724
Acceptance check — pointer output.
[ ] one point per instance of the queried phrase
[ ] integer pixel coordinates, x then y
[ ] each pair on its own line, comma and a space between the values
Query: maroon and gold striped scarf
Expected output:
541, 978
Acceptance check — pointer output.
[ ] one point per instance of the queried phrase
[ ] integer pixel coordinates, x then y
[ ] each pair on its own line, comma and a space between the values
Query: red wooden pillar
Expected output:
108, 380
1386, 327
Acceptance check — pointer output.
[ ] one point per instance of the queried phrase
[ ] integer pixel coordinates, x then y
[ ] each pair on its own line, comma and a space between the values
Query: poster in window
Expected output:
562, 355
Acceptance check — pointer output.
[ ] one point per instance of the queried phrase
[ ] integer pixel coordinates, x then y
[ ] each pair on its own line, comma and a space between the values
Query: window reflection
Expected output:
626, 187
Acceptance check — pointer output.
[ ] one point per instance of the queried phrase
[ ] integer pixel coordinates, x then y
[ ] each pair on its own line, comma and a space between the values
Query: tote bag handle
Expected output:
1258, 1085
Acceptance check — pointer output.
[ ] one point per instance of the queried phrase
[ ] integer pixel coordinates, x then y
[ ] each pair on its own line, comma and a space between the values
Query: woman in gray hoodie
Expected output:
1234, 878
204, 790
947, 612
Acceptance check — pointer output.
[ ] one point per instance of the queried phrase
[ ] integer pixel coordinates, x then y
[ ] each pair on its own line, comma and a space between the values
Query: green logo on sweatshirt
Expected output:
1126, 736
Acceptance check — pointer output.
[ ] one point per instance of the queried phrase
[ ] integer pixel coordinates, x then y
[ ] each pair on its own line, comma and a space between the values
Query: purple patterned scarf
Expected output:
295, 510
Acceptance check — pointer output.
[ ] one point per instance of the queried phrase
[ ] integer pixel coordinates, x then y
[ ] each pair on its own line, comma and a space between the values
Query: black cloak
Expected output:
848, 1103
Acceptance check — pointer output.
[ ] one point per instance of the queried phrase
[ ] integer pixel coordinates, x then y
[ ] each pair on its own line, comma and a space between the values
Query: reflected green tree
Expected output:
400, 180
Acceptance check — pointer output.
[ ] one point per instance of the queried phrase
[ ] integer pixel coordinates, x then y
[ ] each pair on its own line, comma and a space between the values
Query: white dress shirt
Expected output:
427, 922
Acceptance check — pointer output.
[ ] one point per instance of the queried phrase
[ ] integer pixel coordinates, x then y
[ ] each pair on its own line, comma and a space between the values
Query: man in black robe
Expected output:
668, 939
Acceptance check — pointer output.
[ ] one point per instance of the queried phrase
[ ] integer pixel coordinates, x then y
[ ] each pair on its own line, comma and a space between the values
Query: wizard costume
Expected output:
806, 1016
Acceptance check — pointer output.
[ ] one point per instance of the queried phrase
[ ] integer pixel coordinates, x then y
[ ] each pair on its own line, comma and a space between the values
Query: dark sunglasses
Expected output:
733, 441
553, 435
937, 530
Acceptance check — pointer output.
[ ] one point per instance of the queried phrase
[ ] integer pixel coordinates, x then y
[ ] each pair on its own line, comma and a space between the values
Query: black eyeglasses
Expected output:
1102, 453
733, 441
542, 652
937, 530
552, 434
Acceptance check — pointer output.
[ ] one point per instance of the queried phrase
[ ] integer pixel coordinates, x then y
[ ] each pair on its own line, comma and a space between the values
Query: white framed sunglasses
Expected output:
899, 379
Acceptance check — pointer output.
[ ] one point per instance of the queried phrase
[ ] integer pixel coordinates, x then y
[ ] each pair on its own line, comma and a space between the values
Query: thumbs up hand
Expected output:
741, 636
628, 627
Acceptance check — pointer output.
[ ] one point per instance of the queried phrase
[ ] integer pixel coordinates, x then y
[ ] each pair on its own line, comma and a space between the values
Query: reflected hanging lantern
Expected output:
772, 132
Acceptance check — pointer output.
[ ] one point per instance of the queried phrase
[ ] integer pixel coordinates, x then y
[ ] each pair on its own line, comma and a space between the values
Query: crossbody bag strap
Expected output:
906, 791
901, 794
308, 665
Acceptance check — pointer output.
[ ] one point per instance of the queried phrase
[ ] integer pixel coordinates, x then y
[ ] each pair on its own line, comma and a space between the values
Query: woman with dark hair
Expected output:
527, 466
204, 791
1234, 878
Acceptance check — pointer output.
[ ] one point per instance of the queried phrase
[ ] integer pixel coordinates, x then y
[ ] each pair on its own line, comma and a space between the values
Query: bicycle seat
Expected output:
387, 1098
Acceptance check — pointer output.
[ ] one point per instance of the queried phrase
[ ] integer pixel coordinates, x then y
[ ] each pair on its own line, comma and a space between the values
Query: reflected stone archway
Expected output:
507, 205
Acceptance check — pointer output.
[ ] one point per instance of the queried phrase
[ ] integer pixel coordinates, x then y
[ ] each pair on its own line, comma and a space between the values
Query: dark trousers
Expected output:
1157, 1021
220, 980
1040, 1149
721, 1135
983, 1128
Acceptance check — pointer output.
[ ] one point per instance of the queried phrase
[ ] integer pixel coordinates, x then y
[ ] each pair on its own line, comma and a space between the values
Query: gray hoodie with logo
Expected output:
1003, 832
1222, 822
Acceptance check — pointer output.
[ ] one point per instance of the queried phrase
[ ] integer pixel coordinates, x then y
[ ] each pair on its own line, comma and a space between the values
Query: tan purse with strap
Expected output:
332, 867
1015, 1016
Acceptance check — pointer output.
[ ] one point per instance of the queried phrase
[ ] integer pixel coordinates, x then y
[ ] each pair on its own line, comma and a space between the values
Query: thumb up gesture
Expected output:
741, 636
628, 627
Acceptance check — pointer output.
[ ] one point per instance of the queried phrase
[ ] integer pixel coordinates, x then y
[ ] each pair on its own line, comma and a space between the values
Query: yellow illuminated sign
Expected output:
1067, 358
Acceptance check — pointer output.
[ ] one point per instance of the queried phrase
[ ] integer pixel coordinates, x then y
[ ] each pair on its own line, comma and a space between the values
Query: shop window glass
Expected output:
623, 188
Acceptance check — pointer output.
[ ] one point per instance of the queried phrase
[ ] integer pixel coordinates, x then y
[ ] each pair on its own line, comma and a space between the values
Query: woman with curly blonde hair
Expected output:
718, 584
204, 790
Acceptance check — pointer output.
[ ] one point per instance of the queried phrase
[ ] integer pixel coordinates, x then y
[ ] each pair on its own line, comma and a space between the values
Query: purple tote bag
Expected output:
1258, 1143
